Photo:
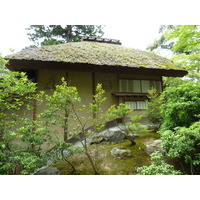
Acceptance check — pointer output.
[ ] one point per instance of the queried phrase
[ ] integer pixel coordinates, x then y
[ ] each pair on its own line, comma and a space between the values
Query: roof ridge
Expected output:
102, 40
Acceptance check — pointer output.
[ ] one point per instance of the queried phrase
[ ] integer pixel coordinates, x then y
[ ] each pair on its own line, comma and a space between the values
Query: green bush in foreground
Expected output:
158, 167
181, 106
184, 144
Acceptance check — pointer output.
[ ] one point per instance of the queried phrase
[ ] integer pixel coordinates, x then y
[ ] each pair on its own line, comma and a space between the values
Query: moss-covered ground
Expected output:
106, 164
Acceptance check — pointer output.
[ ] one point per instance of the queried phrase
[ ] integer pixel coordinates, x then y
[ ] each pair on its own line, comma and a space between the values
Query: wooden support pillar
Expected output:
162, 87
93, 89
67, 78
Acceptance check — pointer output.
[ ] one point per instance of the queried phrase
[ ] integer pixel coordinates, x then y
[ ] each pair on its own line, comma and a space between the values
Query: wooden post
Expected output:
162, 87
93, 89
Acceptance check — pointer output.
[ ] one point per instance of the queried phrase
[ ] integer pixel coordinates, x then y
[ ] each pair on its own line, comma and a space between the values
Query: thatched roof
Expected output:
96, 54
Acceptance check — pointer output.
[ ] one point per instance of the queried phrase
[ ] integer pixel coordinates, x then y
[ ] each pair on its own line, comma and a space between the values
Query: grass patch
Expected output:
106, 164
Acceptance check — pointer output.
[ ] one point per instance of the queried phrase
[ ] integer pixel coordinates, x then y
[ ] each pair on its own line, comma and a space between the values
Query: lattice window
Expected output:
137, 105
139, 86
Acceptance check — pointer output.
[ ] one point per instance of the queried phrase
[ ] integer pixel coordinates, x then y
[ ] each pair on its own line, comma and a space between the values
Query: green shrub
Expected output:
158, 167
154, 109
130, 124
183, 143
181, 105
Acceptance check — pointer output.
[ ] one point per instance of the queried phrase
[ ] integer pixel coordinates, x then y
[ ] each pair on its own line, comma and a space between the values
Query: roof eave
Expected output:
19, 65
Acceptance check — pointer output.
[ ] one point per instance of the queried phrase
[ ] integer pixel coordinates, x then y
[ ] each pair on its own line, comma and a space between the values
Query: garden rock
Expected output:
155, 146
121, 153
47, 171
109, 136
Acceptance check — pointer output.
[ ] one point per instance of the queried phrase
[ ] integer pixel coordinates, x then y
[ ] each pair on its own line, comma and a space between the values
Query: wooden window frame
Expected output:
141, 91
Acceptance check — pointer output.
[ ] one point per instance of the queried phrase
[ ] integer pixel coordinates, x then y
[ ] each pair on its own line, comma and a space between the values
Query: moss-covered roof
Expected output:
97, 54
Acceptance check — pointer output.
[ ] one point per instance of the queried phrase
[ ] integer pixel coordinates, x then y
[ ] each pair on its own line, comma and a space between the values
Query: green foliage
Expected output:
162, 42
183, 143
57, 34
157, 167
3, 62
29, 161
20, 136
96, 110
9, 161
68, 146
16, 92
21, 146
174, 81
59, 106
186, 47
63, 96
186, 38
133, 127
121, 111
180, 128
65, 104
183, 41
180, 39
181, 105
96, 115
130, 125
29, 47
61, 152
33, 133
154, 111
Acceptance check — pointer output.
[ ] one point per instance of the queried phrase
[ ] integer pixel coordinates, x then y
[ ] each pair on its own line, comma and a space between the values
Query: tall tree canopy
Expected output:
183, 41
162, 41
58, 34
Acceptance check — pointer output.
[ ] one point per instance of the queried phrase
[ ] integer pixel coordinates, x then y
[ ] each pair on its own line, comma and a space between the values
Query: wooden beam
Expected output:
129, 94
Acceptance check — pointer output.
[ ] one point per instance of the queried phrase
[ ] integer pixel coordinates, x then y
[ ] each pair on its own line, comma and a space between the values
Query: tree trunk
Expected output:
74, 169
89, 157
133, 142
92, 163
69, 33
66, 126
